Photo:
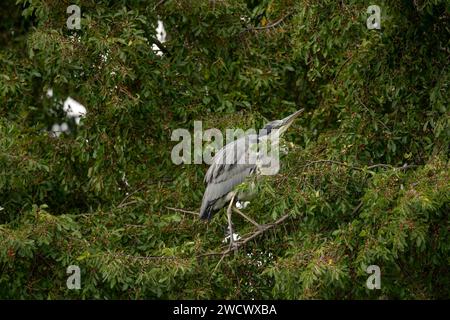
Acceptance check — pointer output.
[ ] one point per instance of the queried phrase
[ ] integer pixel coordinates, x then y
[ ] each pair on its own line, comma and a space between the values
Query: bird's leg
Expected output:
260, 227
230, 224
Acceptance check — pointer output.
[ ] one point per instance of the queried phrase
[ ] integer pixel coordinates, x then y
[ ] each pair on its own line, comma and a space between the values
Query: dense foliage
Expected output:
365, 181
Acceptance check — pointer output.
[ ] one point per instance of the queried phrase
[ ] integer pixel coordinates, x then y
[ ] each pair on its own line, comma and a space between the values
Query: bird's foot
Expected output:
262, 227
233, 245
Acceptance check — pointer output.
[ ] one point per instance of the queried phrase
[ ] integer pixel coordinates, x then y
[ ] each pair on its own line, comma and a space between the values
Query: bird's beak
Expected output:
289, 119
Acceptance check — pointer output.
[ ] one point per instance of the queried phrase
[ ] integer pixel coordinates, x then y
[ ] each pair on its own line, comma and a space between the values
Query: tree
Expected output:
365, 181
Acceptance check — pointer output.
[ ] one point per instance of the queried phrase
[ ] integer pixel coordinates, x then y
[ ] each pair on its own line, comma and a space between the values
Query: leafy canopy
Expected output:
375, 100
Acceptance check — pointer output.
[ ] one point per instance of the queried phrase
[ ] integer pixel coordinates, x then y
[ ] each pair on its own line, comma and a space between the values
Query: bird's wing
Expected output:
233, 159
229, 168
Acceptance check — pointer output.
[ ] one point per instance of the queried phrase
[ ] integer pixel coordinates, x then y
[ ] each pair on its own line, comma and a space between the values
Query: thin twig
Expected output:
129, 195
332, 162
123, 205
341, 67
142, 257
371, 113
218, 263
379, 165
269, 26
182, 210
246, 217
135, 225
243, 241
360, 204
158, 4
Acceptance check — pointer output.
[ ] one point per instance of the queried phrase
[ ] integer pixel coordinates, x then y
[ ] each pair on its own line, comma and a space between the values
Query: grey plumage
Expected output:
235, 162
224, 174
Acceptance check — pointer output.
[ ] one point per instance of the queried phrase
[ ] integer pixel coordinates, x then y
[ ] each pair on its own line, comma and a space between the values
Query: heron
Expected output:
236, 161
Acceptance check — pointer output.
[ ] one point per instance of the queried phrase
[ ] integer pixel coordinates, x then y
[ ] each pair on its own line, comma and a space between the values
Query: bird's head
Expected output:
280, 126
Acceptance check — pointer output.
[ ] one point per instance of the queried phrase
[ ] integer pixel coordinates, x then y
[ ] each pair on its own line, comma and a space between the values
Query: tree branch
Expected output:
269, 26
182, 210
158, 4
245, 240
379, 165
122, 255
160, 46
123, 204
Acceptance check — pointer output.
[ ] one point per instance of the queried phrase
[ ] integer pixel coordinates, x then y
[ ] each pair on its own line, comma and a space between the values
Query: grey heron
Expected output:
235, 162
